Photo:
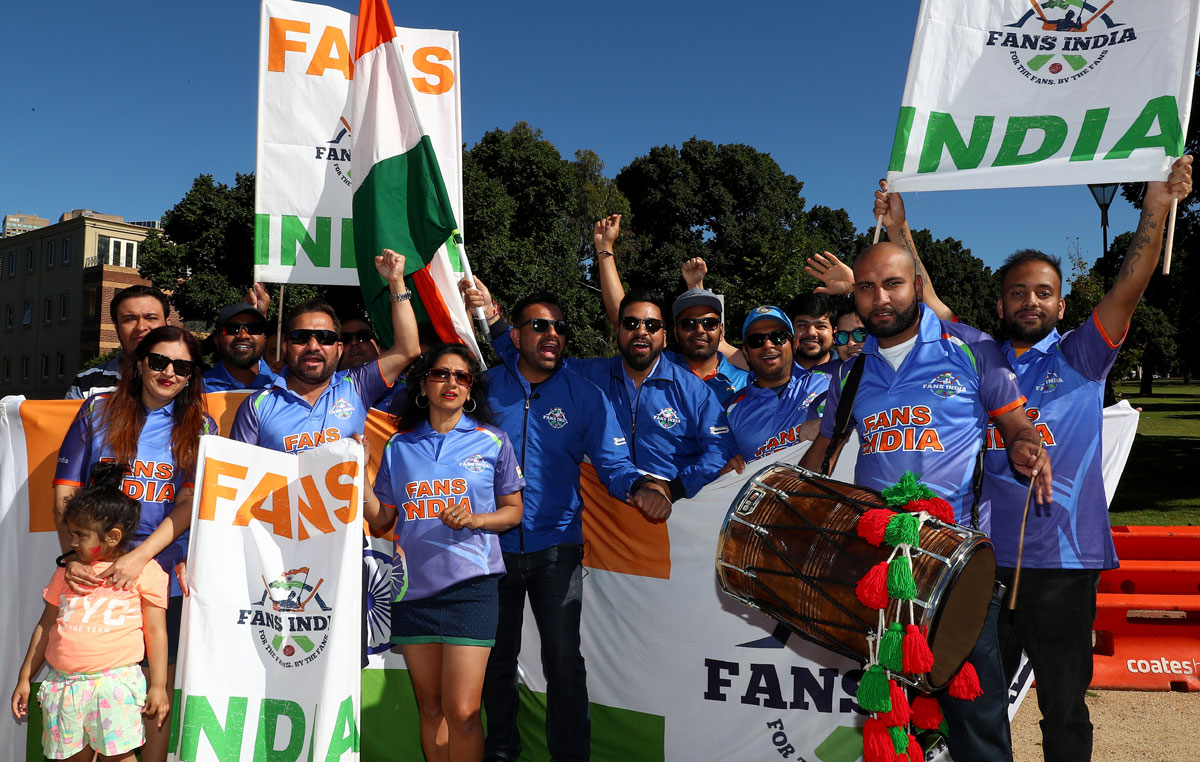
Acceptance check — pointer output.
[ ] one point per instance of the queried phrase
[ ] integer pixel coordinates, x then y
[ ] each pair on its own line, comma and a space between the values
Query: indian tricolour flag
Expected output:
400, 199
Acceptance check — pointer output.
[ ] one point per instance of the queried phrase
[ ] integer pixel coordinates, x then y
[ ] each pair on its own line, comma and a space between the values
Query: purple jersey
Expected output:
765, 420
154, 480
1063, 377
930, 416
279, 419
423, 473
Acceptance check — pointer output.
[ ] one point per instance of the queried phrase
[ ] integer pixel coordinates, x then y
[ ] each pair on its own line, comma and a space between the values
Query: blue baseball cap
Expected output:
765, 312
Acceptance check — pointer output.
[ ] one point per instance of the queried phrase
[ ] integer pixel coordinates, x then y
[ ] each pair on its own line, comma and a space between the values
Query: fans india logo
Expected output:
807, 400
1060, 41
336, 152
667, 418
474, 464
342, 409
945, 385
286, 628
1051, 383
556, 418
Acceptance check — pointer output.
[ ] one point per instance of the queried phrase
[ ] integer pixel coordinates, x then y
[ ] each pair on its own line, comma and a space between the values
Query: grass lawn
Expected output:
1161, 483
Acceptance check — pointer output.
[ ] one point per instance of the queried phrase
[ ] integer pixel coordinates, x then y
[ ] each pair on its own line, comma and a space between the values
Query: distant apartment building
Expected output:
56, 283
16, 224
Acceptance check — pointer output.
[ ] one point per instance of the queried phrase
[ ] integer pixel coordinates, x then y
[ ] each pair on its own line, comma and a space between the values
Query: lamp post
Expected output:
1104, 194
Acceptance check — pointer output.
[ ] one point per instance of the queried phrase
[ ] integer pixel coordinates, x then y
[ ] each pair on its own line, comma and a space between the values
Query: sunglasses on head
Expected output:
463, 377
688, 325
541, 325
362, 334
160, 363
653, 325
842, 338
778, 338
253, 329
302, 335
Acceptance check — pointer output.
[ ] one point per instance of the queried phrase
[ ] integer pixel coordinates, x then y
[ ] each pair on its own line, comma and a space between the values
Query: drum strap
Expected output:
842, 420
977, 487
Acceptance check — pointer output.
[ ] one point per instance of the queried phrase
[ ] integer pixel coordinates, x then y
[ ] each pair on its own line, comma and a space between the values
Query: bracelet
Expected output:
404, 297
602, 253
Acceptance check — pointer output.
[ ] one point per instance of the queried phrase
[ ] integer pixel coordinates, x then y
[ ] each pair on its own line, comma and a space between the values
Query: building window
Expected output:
102, 245
131, 254
62, 307
45, 366
62, 365
47, 310
66, 260
27, 319
8, 317
24, 368
29, 257
12, 262
89, 297
49, 254
7, 369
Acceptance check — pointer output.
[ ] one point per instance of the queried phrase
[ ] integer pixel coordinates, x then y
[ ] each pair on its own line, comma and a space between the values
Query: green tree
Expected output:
963, 282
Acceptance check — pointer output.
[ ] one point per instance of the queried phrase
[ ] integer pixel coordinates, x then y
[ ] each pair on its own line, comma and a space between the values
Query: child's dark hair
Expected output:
104, 505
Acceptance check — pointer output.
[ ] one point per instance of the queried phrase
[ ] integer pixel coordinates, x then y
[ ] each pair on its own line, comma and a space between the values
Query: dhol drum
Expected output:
789, 548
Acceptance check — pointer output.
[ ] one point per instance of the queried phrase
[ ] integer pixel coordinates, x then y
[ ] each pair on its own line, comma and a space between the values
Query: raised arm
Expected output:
604, 234
1116, 308
405, 346
890, 207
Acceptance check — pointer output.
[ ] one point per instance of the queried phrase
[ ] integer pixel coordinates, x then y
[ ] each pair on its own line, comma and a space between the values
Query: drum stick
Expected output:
1012, 598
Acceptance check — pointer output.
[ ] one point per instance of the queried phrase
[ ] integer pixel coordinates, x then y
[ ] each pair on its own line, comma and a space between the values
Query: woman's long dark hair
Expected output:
407, 414
124, 415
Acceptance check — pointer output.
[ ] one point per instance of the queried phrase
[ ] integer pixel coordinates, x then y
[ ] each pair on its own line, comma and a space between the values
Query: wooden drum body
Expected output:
789, 548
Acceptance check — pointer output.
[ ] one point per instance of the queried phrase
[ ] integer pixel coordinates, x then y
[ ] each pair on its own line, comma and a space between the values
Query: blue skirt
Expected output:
464, 614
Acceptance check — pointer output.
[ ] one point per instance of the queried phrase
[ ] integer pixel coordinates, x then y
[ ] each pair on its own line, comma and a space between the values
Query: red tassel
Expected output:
917, 657
873, 523
965, 684
926, 714
901, 712
872, 588
915, 752
877, 744
934, 506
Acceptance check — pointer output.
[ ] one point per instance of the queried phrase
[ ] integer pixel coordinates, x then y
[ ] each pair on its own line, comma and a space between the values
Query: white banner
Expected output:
1010, 93
269, 661
303, 230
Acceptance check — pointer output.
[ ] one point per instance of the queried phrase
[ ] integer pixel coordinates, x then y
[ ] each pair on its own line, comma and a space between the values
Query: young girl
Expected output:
94, 693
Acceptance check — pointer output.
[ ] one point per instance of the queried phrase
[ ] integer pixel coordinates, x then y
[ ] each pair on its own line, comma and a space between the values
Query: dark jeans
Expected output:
979, 729
1053, 625
553, 580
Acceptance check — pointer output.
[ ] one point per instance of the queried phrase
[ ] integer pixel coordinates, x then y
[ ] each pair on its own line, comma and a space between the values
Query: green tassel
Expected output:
874, 693
909, 488
901, 585
899, 739
903, 529
944, 728
891, 651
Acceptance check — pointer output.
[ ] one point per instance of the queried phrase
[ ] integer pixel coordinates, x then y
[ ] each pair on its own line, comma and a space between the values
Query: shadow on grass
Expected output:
1158, 472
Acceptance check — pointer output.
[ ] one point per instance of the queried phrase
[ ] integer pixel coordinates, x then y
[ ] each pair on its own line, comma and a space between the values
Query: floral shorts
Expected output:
101, 709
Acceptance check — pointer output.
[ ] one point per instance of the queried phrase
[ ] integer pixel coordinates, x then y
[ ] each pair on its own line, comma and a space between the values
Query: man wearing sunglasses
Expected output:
312, 402
769, 414
240, 337
358, 342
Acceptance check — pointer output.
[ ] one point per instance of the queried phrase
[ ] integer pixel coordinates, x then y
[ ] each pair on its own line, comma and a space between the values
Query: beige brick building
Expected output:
56, 284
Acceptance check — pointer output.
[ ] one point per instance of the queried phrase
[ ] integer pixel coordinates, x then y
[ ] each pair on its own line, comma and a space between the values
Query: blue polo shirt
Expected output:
218, 379
725, 382
930, 416
1063, 378
423, 473
154, 480
766, 420
280, 419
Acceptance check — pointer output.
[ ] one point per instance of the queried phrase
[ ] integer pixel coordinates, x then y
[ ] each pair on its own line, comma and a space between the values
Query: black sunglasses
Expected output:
653, 325
541, 325
233, 329
160, 363
362, 334
464, 378
778, 338
688, 325
842, 338
302, 335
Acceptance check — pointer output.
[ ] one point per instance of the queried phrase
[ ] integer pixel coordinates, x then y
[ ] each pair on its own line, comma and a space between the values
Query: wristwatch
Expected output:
404, 297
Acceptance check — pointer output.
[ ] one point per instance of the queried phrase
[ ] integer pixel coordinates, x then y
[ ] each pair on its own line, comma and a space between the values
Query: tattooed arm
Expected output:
890, 207
1116, 308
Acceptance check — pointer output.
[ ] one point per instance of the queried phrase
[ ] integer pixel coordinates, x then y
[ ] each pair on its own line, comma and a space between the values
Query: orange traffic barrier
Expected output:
1157, 542
1152, 577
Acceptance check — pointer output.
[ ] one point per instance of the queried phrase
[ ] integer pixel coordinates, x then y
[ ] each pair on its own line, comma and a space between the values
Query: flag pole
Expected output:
480, 317
279, 326
1170, 237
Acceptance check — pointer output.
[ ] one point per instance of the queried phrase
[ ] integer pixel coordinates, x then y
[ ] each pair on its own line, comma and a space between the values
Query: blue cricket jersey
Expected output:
218, 378
766, 420
930, 416
423, 473
1063, 379
725, 382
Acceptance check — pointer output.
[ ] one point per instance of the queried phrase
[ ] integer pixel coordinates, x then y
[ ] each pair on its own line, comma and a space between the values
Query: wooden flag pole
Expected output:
1170, 237
878, 229
279, 327
1012, 598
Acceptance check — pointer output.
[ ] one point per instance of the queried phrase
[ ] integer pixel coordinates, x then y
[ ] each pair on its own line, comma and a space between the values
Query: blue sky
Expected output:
116, 107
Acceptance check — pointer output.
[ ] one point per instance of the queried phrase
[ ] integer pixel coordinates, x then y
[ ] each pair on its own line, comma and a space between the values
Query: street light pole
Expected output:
1104, 194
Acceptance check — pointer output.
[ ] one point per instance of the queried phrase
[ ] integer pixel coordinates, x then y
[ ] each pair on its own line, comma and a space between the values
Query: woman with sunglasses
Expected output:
448, 481
152, 421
